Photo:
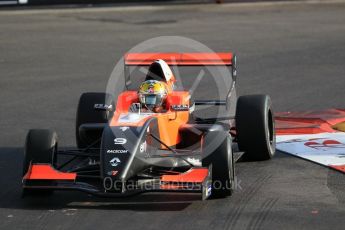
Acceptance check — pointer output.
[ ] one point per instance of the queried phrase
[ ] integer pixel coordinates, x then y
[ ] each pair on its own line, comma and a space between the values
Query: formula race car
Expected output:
151, 138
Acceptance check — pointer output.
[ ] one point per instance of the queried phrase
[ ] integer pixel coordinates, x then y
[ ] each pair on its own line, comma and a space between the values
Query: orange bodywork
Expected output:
169, 122
196, 175
180, 58
47, 172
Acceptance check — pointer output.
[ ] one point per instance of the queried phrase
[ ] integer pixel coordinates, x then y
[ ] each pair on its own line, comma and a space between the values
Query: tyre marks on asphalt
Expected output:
262, 214
234, 216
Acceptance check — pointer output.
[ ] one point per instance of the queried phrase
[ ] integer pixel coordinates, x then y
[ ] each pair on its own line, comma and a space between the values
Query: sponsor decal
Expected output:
103, 107
92, 162
117, 151
142, 147
124, 128
133, 117
112, 173
209, 190
180, 107
115, 162
194, 161
120, 141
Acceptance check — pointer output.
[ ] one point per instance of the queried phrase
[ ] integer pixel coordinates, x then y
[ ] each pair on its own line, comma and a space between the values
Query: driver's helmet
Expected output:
152, 94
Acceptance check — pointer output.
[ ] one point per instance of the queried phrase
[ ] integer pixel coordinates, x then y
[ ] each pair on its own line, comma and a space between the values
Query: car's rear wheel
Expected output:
40, 147
87, 114
255, 127
217, 151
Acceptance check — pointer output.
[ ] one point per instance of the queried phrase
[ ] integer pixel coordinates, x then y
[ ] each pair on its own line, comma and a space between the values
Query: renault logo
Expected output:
115, 162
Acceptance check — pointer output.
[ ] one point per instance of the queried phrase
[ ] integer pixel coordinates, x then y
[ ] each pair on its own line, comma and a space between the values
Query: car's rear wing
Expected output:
181, 59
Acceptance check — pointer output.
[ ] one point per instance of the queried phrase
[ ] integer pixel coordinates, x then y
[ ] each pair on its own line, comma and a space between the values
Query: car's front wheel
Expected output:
255, 127
217, 152
86, 113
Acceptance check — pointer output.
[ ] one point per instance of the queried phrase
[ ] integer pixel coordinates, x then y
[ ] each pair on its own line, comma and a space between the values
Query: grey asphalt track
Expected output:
294, 52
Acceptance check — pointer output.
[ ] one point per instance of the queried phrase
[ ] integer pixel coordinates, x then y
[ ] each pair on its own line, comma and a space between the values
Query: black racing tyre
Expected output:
40, 147
87, 114
217, 151
255, 127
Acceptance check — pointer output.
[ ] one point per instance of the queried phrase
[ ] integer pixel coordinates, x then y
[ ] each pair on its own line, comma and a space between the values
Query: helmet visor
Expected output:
151, 100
